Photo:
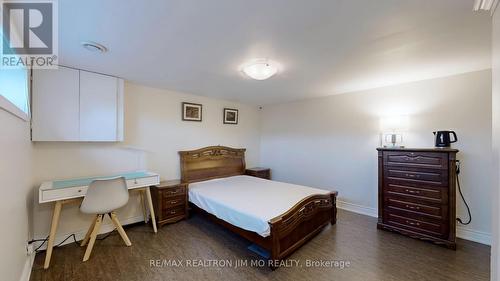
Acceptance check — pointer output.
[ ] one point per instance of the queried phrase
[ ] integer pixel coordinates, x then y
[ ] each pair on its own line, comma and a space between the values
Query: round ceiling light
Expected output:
260, 69
94, 47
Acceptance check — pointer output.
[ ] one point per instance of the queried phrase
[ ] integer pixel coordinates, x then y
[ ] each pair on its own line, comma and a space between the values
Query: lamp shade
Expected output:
260, 69
394, 123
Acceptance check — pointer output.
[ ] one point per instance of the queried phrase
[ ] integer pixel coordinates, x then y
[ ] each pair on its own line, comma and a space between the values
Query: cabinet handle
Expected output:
413, 223
135, 181
412, 207
413, 191
412, 157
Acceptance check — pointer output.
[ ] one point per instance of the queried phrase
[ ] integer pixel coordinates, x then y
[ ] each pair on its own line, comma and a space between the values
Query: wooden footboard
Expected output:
302, 222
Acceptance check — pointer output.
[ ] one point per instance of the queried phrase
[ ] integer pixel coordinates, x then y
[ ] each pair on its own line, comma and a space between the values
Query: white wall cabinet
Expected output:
76, 105
56, 105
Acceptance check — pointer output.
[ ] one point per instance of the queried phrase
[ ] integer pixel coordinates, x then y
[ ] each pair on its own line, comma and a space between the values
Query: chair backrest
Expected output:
104, 196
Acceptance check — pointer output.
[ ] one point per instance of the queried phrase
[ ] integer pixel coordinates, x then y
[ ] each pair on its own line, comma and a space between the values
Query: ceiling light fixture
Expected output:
260, 69
94, 47
486, 5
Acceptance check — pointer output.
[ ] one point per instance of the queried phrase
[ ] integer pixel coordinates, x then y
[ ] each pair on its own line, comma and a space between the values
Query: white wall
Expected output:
15, 201
495, 247
330, 142
154, 132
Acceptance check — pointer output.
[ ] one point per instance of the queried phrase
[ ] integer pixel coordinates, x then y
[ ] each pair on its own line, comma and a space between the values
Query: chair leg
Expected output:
120, 229
87, 236
93, 236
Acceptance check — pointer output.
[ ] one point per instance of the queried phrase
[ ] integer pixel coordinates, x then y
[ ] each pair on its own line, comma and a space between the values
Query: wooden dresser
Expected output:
417, 193
170, 201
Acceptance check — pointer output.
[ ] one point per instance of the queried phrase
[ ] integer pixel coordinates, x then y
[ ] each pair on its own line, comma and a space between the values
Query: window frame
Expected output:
11, 108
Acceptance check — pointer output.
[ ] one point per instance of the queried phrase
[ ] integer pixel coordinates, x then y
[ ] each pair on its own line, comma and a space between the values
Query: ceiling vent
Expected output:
94, 47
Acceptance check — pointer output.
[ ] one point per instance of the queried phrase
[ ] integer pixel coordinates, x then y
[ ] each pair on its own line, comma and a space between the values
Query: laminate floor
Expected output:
197, 249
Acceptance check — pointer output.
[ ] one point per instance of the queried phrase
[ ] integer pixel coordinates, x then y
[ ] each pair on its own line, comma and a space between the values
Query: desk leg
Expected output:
143, 205
151, 209
52, 236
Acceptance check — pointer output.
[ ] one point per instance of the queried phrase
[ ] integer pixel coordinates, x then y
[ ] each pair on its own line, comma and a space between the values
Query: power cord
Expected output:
47, 238
65, 239
461, 195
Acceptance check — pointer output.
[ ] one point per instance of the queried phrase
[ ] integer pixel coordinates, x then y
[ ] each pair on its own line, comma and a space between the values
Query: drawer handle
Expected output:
413, 223
412, 176
413, 191
174, 202
173, 212
411, 158
412, 207
174, 192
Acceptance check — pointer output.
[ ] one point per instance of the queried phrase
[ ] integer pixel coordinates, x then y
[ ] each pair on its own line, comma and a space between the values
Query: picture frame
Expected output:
230, 116
192, 112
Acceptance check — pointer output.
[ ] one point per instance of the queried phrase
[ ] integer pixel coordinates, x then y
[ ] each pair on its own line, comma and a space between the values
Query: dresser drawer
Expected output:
169, 202
416, 224
419, 176
169, 213
430, 160
173, 191
435, 211
416, 193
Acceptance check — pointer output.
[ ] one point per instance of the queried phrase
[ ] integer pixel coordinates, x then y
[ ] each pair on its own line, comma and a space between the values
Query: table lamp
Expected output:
392, 128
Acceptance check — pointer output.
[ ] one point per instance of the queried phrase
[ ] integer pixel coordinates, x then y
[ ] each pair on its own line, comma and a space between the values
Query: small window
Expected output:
14, 91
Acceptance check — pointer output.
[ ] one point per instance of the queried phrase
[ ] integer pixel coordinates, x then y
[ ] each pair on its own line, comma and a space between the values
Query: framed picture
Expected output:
191, 111
230, 116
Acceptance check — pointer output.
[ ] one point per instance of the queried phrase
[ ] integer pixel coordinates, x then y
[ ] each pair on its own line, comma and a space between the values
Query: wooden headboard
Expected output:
211, 162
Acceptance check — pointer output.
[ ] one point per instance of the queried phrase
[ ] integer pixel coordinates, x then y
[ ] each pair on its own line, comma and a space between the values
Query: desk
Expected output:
68, 191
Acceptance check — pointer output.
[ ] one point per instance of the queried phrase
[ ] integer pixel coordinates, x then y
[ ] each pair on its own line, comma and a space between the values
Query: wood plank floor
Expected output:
373, 255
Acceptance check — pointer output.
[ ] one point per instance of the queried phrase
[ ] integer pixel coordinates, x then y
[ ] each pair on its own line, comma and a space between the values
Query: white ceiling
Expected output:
325, 47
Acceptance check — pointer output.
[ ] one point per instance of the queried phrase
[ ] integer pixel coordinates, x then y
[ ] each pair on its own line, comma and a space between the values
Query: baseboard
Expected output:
28, 265
359, 209
80, 234
474, 235
462, 232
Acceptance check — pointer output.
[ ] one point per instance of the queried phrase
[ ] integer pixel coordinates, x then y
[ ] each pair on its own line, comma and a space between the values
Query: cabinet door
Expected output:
56, 105
98, 107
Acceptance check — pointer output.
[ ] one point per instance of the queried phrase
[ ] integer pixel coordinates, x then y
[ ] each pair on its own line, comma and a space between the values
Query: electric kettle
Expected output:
443, 138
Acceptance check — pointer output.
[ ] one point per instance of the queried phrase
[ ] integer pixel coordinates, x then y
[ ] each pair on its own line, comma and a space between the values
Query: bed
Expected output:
278, 217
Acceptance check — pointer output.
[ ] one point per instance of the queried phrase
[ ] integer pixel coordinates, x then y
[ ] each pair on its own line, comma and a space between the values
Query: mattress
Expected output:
248, 202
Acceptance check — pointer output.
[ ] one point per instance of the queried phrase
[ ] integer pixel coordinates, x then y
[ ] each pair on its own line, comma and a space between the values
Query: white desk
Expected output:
72, 190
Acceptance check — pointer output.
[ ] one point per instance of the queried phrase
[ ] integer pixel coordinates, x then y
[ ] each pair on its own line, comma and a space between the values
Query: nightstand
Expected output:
264, 173
170, 201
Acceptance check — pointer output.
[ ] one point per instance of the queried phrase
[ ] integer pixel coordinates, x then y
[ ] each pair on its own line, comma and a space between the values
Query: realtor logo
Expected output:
29, 31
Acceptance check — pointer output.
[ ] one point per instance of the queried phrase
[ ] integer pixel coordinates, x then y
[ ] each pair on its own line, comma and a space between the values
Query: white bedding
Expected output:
248, 202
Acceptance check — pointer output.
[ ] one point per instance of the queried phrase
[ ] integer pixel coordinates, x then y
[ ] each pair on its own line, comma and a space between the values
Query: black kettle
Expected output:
443, 138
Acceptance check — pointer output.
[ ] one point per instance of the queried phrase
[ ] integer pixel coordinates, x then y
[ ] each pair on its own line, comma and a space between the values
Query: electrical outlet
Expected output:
29, 249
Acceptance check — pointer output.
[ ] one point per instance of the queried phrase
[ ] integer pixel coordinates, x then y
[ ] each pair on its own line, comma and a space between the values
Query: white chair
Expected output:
104, 197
